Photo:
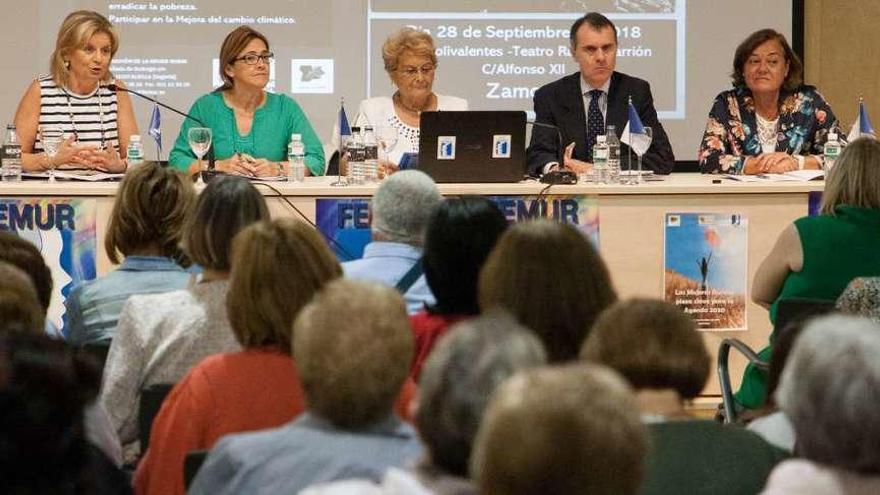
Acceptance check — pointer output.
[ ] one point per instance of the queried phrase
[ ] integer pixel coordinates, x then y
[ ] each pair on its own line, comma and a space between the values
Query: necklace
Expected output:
414, 111
100, 114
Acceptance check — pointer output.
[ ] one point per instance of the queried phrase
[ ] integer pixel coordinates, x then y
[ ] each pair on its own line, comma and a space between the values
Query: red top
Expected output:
427, 329
253, 389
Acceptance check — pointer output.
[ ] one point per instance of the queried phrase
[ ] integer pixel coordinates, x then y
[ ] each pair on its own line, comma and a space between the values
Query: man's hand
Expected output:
573, 164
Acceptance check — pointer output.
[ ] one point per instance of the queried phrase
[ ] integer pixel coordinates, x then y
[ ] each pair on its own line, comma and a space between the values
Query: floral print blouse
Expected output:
731, 133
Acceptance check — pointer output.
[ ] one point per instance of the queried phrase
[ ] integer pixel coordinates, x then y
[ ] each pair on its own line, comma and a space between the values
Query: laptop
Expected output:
473, 146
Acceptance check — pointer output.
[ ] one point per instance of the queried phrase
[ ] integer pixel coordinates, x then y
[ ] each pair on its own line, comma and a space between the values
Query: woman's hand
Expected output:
777, 162
105, 160
261, 167
385, 168
234, 165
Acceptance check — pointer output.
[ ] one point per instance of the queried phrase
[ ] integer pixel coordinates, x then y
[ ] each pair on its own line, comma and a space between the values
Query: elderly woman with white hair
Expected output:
399, 215
410, 61
830, 389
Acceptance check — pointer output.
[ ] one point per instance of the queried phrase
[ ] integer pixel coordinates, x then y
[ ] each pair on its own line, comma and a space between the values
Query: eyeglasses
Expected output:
426, 70
253, 58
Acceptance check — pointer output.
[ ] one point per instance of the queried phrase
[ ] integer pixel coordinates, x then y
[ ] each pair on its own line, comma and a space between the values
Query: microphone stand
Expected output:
211, 160
560, 176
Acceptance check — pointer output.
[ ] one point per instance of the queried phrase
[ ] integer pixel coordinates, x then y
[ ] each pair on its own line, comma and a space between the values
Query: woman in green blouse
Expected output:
251, 127
817, 256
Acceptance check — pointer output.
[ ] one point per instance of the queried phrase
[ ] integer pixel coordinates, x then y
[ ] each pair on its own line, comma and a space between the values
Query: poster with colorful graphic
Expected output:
345, 221
706, 261
814, 203
64, 232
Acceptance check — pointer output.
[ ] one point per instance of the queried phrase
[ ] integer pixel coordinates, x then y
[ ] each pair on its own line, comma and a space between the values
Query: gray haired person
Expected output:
830, 389
399, 214
458, 379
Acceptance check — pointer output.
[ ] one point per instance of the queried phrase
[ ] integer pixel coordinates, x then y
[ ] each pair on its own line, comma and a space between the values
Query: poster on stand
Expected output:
705, 267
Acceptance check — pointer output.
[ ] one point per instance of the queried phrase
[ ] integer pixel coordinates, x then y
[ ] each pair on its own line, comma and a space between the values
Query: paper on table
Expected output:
84, 175
793, 176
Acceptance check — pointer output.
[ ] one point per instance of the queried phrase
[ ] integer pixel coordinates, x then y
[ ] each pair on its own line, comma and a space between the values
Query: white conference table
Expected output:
631, 223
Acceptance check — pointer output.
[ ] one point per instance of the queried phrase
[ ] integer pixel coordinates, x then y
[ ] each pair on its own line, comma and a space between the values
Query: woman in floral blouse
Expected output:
770, 121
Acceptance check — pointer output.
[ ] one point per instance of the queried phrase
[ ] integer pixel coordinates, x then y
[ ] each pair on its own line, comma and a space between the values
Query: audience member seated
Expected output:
861, 297
399, 214
460, 376
161, 336
145, 227
771, 423
817, 256
550, 277
566, 430
277, 268
26, 257
352, 346
22, 310
658, 350
43, 390
459, 237
830, 389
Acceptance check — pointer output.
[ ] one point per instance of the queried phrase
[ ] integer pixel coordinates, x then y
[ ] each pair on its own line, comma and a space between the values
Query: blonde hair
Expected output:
353, 347
407, 39
277, 267
151, 207
855, 178
75, 32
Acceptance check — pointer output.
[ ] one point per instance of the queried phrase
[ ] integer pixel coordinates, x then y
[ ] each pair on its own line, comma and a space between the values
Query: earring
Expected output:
67, 65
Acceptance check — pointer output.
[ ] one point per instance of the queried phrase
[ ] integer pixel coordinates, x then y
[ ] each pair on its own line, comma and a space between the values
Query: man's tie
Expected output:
595, 122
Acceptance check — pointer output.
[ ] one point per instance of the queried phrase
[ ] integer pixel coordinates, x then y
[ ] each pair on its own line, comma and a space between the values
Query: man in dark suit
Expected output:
581, 105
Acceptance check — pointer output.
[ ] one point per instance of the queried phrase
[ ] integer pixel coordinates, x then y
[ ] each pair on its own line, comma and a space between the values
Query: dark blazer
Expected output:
561, 103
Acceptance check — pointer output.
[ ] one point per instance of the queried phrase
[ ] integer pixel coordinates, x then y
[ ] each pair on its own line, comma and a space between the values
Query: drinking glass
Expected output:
649, 133
199, 142
51, 138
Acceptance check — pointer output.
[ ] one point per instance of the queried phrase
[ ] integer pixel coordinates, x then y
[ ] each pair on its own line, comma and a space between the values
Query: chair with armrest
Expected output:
787, 311
151, 401
192, 464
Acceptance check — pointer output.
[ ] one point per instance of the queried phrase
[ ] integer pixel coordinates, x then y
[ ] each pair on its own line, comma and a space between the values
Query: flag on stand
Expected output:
634, 133
862, 126
341, 128
156, 130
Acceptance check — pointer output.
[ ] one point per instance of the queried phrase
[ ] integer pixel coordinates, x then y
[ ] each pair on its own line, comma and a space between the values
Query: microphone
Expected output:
115, 88
556, 176
558, 137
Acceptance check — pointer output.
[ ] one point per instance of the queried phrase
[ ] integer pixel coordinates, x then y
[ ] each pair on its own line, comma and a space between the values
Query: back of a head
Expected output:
227, 205
563, 430
550, 277
830, 389
459, 377
402, 206
27, 258
855, 178
151, 206
458, 240
44, 387
277, 268
353, 346
653, 344
20, 310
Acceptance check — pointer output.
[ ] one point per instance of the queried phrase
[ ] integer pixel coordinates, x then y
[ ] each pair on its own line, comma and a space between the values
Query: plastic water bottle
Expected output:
296, 157
600, 160
356, 157
831, 151
135, 151
371, 155
11, 166
613, 155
